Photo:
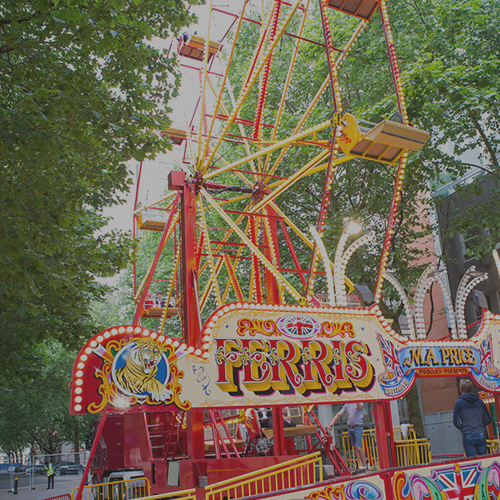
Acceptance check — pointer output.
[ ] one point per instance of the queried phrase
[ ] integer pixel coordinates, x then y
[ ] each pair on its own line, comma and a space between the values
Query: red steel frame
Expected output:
192, 248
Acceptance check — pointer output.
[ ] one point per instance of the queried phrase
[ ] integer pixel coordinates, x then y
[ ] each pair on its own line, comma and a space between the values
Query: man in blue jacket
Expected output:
471, 416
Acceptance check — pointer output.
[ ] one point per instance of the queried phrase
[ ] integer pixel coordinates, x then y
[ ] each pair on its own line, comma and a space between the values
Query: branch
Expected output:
431, 311
5, 49
35, 439
4, 22
414, 5
494, 159
480, 167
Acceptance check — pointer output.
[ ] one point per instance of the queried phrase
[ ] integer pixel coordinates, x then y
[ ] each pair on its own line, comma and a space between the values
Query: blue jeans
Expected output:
475, 444
356, 436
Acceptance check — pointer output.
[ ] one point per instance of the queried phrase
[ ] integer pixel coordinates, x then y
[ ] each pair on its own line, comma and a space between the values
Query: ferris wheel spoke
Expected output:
208, 247
233, 280
204, 76
219, 247
316, 169
224, 79
292, 251
240, 126
238, 174
209, 285
189, 147
253, 249
284, 185
290, 140
287, 82
271, 237
245, 91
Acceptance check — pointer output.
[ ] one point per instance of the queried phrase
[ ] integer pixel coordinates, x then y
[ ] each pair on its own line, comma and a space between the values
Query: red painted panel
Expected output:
136, 443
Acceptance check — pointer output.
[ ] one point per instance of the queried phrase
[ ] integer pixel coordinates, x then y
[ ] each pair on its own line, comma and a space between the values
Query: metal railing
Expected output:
178, 495
117, 490
369, 445
300, 471
493, 446
410, 450
413, 452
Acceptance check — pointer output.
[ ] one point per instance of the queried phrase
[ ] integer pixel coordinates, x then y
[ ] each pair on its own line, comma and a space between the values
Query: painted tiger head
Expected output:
147, 354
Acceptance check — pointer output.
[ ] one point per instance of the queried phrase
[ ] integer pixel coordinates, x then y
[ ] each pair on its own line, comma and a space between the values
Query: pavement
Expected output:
62, 486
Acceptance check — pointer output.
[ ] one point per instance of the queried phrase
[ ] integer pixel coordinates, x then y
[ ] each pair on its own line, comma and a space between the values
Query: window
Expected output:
467, 242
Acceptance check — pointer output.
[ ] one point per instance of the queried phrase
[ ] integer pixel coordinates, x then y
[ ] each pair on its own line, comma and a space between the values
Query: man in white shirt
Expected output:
355, 424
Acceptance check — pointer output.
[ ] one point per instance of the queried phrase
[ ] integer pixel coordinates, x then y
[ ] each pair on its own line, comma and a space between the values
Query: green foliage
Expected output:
37, 412
448, 56
82, 92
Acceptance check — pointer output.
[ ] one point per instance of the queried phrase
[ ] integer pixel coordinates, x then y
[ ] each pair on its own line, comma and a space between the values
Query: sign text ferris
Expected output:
263, 366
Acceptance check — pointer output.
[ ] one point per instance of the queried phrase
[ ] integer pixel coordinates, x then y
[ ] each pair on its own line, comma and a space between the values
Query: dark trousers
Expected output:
50, 482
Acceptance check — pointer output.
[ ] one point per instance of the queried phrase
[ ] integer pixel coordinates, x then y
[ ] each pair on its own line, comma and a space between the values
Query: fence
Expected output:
410, 450
178, 495
293, 473
369, 445
35, 466
493, 446
59, 497
413, 452
116, 490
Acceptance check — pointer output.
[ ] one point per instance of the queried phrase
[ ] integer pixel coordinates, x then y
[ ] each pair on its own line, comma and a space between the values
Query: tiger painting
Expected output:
138, 376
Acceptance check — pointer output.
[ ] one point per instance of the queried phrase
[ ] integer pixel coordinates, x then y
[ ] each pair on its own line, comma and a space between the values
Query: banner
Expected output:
261, 355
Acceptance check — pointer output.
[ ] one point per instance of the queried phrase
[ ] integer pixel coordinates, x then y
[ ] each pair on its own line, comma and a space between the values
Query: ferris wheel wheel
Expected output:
261, 138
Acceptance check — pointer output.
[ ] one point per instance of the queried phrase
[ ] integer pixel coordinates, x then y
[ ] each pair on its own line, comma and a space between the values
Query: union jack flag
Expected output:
485, 351
458, 483
298, 326
391, 356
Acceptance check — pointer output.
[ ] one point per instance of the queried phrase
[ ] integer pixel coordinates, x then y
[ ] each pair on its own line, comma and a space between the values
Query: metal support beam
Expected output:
85, 475
385, 438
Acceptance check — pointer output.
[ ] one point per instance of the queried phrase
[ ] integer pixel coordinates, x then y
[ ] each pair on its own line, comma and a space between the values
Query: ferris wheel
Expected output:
258, 140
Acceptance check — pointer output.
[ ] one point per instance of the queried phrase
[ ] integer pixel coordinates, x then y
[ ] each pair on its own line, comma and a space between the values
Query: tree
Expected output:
82, 92
36, 413
451, 58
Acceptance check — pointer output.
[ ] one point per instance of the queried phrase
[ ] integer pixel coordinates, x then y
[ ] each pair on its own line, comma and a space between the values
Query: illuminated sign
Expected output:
258, 355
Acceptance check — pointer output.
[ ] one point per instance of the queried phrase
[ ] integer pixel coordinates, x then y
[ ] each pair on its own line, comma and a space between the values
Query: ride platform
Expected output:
177, 136
364, 9
193, 47
151, 311
386, 141
151, 220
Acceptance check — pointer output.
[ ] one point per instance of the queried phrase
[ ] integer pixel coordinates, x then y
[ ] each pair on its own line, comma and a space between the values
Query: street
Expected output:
63, 484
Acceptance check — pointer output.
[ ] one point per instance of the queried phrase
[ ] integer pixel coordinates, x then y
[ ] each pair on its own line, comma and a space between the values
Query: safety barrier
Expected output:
126, 489
369, 445
413, 452
410, 450
294, 473
65, 496
178, 495
493, 446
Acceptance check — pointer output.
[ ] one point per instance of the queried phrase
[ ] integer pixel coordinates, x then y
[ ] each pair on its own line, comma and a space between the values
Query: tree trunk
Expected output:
76, 441
414, 415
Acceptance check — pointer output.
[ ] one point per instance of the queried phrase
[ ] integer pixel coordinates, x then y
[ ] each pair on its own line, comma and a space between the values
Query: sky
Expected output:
154, 176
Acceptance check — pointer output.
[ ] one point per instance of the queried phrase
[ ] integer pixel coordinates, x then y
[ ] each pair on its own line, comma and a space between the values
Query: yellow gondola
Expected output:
384, 142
